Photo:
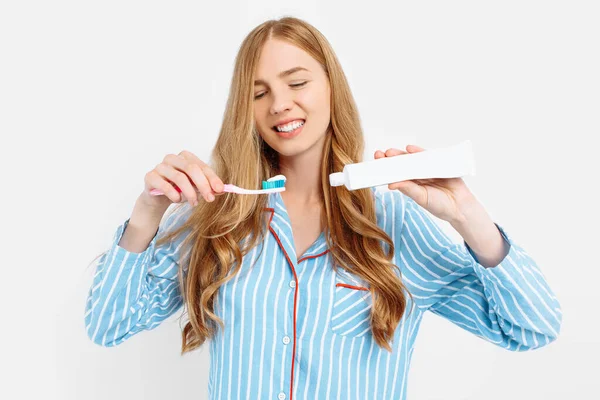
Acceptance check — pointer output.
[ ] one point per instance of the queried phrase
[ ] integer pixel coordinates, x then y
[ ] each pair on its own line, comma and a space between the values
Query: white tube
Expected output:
449, 162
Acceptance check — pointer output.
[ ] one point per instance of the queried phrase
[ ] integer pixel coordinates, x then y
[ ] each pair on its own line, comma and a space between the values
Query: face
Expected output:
291, 99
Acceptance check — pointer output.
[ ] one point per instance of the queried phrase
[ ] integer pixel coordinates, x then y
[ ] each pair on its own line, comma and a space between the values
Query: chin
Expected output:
295, 146
290, 150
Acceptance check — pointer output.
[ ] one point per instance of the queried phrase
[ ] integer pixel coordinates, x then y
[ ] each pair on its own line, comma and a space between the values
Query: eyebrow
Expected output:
282, 74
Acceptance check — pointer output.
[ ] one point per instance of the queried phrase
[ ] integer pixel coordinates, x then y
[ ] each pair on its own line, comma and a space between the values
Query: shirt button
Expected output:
281, 396
286, 340
292, 284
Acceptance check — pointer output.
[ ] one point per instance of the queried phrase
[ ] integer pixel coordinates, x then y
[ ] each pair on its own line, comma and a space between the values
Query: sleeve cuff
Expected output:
508, 265
120, 262
506, 238
119, 234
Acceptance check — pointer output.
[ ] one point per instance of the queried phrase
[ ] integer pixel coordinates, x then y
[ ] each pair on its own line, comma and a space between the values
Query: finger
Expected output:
412, 148
180, 163
180, 179
191, 157
197, 175
215, 182
426, 181
411, 189
201, 182
176, 161
379, 154
193, 167
394, 152
155, 180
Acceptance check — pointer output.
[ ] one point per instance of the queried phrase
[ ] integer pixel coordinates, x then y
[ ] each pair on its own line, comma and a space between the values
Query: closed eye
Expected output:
258, 96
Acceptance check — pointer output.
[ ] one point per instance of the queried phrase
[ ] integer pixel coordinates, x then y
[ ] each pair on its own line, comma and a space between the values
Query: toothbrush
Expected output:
271, 185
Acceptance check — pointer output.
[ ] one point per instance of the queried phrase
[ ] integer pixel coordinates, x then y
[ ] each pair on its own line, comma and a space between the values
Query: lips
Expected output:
290, 135
287, 121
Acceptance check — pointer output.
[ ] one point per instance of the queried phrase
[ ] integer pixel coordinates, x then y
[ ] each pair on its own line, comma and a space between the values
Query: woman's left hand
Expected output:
446, 198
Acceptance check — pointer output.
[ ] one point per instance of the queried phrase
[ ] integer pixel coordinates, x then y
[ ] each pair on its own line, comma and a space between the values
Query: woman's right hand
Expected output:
192, 175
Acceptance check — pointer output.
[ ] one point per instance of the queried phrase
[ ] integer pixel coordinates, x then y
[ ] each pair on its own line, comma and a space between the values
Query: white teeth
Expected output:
290, 127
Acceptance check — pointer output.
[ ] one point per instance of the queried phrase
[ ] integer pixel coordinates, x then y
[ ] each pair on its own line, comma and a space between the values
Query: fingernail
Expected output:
211, 197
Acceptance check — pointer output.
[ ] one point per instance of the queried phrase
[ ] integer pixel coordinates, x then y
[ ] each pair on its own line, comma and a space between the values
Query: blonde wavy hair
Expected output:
240, 156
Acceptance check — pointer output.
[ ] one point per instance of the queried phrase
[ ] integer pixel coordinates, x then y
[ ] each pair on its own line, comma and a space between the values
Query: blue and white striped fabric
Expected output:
296, 329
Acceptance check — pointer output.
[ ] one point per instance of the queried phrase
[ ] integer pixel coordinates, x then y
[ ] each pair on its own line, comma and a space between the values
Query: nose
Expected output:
281, 103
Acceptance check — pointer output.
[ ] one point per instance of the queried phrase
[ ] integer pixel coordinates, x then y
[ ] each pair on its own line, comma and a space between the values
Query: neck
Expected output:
303, 177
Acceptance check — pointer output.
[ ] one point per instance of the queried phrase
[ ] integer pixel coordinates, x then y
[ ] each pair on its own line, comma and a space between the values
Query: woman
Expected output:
316, 292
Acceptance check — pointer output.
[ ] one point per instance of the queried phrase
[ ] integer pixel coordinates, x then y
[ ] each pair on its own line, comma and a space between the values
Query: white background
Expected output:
94, 94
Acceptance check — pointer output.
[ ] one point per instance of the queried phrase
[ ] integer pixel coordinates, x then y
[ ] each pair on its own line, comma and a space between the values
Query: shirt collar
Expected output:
282, 227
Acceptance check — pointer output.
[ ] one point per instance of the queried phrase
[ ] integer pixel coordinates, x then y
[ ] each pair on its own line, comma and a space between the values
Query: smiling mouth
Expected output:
274, 128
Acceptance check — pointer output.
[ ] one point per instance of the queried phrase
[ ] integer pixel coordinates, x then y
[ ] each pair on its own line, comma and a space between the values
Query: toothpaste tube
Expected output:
449, 162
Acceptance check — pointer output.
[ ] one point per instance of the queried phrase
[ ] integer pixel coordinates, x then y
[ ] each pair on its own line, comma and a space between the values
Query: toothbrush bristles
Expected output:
273, 184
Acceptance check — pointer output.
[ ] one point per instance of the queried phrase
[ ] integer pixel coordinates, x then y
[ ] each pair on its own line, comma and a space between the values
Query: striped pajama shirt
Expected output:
297, 329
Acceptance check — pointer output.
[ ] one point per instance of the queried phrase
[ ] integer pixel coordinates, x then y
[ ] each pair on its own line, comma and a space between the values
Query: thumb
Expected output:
411, 189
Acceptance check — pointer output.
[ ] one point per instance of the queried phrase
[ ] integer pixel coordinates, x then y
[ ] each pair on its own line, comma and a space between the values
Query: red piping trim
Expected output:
352, 287
314, 256
272, 210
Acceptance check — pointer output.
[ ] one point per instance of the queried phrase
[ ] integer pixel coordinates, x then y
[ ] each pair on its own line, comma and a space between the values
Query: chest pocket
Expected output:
352, 304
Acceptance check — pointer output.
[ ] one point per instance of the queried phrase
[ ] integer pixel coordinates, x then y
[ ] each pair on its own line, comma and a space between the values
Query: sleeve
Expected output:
510, 305
132, 292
